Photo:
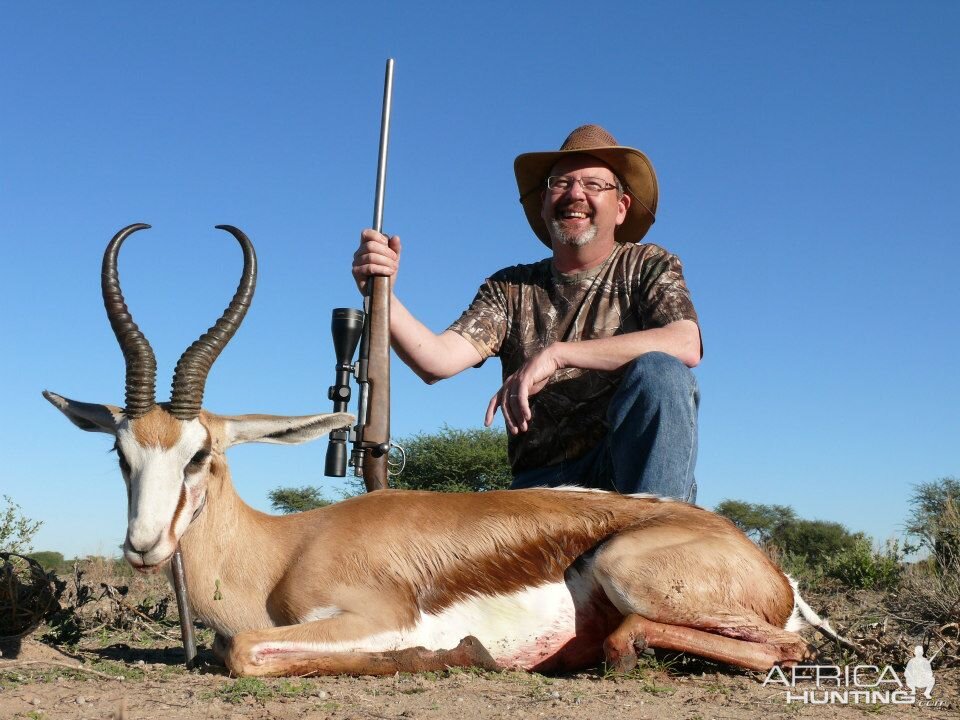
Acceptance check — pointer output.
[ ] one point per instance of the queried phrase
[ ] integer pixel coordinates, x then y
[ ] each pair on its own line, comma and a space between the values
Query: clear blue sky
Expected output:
808, 160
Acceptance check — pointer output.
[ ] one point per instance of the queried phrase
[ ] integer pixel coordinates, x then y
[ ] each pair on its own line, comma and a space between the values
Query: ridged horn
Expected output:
190, 376
140, 361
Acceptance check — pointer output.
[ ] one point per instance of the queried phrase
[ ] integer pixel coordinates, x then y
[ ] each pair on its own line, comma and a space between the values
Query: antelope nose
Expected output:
140, 546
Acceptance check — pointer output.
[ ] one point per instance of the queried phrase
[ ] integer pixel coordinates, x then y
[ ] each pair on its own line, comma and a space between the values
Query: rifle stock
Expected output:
376, 432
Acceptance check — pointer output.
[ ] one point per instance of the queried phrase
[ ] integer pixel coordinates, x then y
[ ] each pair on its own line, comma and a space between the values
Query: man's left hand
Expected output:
513, 397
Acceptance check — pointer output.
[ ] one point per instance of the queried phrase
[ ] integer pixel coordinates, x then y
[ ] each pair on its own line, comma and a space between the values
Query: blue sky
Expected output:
807, 156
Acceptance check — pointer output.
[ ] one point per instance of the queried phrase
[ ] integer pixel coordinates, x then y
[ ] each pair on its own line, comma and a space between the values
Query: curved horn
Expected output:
140, 361
190, 376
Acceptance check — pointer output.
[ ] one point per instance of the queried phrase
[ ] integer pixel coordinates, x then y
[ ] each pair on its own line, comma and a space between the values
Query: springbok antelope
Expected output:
543, 580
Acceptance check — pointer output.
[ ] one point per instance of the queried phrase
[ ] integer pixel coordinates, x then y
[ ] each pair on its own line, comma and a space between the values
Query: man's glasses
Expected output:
589, 185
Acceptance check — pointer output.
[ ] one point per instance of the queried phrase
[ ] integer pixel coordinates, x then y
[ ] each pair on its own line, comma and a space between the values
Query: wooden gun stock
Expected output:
376, 432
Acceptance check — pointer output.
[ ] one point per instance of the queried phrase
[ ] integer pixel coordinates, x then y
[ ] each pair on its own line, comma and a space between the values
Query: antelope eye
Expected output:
124, 465
197, 460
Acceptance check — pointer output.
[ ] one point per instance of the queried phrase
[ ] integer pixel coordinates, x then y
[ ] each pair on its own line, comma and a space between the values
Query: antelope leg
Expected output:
301, 661
636, 633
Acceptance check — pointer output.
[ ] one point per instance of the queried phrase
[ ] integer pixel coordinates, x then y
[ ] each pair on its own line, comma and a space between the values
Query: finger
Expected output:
375, 269
375, 259
491, 410
394, 244
507, 411
376, 250
522, 401
371, 235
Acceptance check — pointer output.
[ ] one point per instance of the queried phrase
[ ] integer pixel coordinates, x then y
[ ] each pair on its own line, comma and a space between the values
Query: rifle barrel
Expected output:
384, 143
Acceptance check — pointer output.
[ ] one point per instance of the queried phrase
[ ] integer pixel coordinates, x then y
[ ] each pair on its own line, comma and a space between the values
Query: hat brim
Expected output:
630, 165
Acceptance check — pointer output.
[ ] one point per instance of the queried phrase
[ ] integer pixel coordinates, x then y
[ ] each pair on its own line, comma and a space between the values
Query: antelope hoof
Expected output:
620, 656
470, 652
795, 653
237, 654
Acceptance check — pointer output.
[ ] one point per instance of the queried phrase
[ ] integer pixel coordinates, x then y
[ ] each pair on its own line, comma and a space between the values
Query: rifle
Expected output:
371, 327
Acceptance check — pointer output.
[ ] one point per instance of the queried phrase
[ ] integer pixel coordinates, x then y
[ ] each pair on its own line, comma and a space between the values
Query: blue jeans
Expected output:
651, 446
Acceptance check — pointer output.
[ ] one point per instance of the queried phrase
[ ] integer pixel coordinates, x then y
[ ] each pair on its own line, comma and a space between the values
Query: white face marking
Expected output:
156, 481
519, 629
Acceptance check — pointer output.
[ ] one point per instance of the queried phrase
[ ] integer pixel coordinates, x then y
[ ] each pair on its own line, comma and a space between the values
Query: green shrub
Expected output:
454, 460
935, 520
16, 531
290, 500
50, 560
860, 566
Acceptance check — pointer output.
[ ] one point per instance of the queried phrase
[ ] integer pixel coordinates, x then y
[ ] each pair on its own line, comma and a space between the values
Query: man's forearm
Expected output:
680, 339
432, 357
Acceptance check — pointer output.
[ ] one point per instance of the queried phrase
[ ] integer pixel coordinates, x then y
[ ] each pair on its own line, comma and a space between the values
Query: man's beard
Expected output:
560, 235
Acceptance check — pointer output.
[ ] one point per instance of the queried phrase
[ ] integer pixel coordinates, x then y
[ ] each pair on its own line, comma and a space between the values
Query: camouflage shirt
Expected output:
520, 310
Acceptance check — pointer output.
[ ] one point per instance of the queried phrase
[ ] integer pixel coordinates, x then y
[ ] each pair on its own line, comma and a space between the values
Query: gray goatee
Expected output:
560, 235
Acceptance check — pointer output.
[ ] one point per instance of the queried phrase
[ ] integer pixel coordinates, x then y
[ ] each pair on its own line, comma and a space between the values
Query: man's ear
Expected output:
88, 416
281, 429
625, 201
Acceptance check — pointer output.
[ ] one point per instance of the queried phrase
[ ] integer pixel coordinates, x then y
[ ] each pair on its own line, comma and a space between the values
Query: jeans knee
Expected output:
653, 384
658, 374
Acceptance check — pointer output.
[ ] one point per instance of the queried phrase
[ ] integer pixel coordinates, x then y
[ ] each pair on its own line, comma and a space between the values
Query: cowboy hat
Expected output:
631, 166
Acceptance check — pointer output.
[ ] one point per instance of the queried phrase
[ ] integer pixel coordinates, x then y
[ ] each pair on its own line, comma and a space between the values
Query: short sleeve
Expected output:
485, 322
664, 297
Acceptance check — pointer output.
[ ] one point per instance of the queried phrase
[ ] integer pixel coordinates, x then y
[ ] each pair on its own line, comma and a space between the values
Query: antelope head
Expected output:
169, 452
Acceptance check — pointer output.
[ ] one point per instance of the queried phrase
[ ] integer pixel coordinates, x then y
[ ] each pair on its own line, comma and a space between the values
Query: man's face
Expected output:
575, 218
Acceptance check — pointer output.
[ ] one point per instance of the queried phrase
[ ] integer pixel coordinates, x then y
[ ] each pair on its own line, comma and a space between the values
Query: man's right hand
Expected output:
377, 255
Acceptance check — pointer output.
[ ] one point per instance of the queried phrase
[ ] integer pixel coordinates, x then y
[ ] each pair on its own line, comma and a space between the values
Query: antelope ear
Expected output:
281, 429
88, 416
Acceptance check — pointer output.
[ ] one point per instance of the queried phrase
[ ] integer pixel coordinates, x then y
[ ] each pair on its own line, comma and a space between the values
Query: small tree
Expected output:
16, 531
50, 560
935, 519
757, 521
815, 540
291, 500
454, 460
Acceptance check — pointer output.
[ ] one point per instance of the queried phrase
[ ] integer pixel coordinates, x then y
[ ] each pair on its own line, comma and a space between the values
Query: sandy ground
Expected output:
38, 683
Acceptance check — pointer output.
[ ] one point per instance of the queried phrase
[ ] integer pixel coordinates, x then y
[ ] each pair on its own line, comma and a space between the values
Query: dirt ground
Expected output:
107, 679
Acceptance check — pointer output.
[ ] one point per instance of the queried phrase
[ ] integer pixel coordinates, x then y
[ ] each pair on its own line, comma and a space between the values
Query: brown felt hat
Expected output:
631, 166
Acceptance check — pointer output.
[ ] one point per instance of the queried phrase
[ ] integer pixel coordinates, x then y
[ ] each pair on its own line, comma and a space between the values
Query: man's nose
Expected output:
576, 190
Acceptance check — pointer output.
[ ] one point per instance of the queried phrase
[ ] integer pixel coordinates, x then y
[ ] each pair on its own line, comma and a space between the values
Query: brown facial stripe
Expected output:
157, 428
182, 501
181, 504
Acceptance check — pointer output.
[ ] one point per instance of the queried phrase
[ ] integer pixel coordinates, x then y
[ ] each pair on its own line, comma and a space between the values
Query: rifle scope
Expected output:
346, 326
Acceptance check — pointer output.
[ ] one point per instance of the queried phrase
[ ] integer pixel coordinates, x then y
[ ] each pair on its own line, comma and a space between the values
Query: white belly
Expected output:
519, 630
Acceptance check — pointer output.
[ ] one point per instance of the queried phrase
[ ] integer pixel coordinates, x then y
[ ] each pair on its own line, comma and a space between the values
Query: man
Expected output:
596, 341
